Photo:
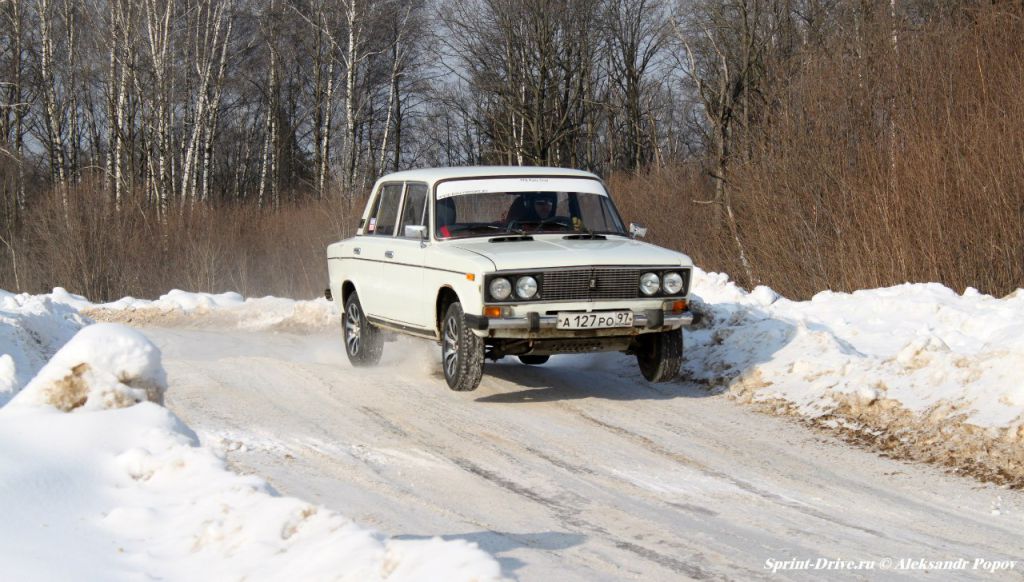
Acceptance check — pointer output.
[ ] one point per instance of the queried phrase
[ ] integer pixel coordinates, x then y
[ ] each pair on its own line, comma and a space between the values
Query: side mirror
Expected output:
417, 231
636, 231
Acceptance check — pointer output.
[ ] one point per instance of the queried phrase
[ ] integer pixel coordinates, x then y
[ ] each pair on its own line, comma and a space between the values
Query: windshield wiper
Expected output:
586, 233
496, 227
585, 236
557, 220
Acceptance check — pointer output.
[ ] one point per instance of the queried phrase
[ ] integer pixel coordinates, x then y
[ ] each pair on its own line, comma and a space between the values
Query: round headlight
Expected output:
500, 288
526, 287
672, 283
649, 283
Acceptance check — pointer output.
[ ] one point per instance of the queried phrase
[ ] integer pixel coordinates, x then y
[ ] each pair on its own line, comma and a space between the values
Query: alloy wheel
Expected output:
353, 328
451, 347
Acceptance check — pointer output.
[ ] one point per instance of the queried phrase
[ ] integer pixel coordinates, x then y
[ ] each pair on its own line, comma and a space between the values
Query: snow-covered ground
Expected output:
922, 346
212, 310
916, 369
100, 482
103, 482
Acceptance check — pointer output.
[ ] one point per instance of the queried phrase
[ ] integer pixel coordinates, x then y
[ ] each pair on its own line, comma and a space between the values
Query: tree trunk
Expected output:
51, 113
159, 34
213, 117
119, 112
14, 103
269, 166
73, 66
351, 63
325, 131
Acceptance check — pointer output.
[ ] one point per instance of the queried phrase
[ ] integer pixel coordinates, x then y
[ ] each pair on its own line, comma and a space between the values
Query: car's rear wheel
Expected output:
462, 352
364, 343
660, 355
531, 360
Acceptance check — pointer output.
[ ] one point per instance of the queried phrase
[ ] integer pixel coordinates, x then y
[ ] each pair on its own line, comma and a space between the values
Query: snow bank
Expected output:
119, 488
128, 493
931, 373
32, 328
217, 310
103, 366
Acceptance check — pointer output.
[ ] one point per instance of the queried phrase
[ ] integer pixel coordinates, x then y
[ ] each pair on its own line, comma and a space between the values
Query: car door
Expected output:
371, 248
402, 270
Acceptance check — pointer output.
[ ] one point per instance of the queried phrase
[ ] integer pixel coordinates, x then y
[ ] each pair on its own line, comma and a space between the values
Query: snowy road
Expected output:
576, 470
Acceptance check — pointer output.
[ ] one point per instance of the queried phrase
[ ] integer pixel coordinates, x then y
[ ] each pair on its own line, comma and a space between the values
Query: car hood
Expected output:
556, 251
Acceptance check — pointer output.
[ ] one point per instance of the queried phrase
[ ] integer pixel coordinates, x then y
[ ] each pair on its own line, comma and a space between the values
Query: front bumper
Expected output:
649, 319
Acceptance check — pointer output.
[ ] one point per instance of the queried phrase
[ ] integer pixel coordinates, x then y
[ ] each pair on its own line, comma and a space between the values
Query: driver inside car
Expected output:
531, 207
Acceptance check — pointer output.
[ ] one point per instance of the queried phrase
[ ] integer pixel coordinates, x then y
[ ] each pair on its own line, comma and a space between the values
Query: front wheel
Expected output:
364, 343
462, 352
660, 355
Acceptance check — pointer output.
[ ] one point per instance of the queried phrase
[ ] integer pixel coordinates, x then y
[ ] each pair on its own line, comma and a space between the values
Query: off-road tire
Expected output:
364, 343
531, 360
660, 354
462, 352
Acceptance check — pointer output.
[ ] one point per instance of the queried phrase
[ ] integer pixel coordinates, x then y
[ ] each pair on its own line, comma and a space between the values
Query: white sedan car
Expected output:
507, 261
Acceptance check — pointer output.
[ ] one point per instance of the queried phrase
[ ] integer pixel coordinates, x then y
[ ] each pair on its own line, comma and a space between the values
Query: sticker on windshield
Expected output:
525, 184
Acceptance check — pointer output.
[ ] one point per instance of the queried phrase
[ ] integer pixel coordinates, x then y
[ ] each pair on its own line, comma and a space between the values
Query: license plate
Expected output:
594, 320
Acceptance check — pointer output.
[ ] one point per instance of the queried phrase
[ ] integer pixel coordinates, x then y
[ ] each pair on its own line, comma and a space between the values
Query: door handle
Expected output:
389, 254
357, 251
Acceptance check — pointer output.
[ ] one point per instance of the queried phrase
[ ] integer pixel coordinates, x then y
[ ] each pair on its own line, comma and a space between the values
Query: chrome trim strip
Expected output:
411, 330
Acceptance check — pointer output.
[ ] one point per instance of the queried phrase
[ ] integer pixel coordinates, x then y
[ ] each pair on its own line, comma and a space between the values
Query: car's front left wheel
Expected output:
364, 343
462, 352
660, 354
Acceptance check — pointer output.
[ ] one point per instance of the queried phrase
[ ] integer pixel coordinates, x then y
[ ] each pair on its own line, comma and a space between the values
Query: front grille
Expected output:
590, 284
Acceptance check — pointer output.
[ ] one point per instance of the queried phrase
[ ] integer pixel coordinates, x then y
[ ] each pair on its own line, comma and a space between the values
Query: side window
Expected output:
415, 204
382, 221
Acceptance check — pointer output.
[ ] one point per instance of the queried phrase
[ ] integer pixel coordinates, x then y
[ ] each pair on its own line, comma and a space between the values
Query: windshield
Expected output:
496, 213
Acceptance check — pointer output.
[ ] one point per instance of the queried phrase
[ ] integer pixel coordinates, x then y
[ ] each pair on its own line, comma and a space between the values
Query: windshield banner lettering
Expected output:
526, 184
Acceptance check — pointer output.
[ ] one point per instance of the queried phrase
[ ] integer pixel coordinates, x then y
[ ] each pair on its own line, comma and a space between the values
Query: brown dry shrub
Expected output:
876, 168
915, 175
103, 253
671, 203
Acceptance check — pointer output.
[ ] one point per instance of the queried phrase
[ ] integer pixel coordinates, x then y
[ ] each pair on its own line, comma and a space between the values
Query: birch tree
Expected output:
724, 43
158, 23
119, 49
210, 43
52, 115
532, 62
636, 32
269, 159
14, 106
353, 57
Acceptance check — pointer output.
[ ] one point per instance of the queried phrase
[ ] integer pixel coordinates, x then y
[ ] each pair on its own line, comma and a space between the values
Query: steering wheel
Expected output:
561, 221
513, 226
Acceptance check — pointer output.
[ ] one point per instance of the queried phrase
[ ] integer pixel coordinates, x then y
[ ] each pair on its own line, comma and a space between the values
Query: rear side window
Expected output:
385, 215
415, 204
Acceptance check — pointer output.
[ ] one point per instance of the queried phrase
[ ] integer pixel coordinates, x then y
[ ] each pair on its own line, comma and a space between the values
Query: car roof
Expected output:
434, 175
